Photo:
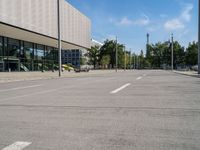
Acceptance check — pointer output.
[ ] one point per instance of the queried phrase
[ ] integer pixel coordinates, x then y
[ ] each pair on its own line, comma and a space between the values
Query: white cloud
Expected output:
143, 21
179, 22
125, 21
186, 13
174, 24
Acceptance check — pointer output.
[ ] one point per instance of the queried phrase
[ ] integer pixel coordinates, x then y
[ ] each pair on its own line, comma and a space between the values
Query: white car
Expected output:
195, 68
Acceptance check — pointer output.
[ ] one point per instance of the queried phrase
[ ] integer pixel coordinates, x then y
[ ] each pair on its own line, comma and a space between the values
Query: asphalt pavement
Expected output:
132, 110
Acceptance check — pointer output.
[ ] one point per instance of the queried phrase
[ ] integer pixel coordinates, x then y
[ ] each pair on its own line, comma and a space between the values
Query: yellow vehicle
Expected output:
67, 67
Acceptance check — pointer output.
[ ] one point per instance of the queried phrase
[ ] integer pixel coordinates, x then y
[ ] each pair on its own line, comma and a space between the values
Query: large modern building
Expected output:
29, 31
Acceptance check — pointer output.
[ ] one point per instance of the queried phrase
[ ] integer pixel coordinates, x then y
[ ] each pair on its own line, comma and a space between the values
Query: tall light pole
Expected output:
130, 59
138, 62
59, 38
134, 61
172, 49
124, 58
199, 40
116, 56
147, 46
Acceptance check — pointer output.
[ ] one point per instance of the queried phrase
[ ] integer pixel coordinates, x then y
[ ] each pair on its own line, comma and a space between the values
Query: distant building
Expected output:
74, 57
78, 57
96, 43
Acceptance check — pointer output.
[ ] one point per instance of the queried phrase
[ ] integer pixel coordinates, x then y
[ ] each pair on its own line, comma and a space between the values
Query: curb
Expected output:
186, 74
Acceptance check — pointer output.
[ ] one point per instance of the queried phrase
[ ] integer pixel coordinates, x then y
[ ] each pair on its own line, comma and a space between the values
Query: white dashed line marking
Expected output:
17, 146
139, 78
121, 88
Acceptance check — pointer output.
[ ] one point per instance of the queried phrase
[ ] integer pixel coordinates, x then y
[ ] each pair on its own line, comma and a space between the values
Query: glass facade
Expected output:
12, 54
1, 54
17, 55
72, 57
1, 47
27, 57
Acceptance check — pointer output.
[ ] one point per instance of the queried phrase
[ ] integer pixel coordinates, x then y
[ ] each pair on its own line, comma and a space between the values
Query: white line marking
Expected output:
20, 88
17, 146
139, 78
121, 88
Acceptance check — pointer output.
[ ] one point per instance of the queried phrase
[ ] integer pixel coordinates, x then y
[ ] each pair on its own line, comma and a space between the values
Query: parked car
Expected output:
195, 68
67, 67
84, 68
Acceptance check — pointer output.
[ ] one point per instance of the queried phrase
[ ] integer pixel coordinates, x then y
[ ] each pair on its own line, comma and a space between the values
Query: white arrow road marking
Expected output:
119, 89
139, 78
17, 146
20, 88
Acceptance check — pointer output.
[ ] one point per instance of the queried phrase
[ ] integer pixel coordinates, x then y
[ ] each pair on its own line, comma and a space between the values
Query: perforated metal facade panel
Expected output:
40, 16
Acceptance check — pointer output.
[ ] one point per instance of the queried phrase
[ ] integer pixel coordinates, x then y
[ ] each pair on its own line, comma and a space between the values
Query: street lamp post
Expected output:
134, 61
59, 38
172, 49
138, 62
199, 40
147, 46
124, 58
130, 59
116, 56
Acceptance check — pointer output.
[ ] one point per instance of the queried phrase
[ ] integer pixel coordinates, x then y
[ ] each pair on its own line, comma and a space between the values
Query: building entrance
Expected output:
12, 65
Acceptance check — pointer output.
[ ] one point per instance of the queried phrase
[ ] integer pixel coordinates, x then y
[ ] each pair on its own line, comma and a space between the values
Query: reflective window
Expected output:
56, 55
20, 55
13, 48
1, 54
28, 50
26, 57
12, 54
1, 47
49, 53
40, 52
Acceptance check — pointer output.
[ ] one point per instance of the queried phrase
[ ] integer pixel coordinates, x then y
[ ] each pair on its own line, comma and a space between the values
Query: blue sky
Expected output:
131, 20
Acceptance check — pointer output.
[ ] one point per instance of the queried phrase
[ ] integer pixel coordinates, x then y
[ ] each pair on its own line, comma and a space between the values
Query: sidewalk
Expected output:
27, 76
188, 73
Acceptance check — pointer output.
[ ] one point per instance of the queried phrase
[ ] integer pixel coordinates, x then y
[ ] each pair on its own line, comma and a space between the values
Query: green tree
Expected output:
109, 48
150, 56
166, 54
105, 61
191, 57
93, 55
160, 54
179, 54
83, 61
142, 60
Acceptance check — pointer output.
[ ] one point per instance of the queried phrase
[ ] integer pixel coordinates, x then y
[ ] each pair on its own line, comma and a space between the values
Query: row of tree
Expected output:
157, 56
160, 54
105, 56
